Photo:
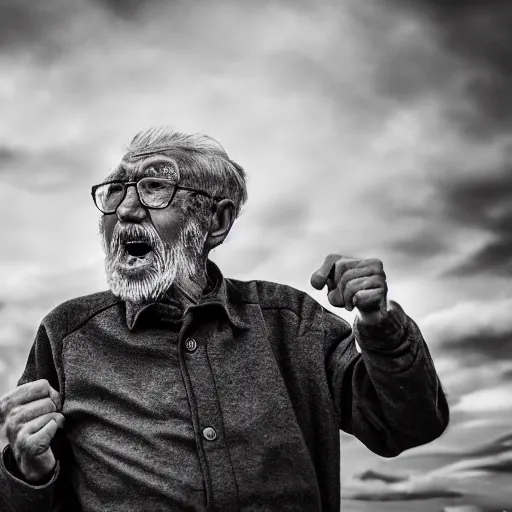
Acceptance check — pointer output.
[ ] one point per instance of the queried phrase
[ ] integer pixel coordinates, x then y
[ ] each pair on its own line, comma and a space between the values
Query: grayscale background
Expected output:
369, 128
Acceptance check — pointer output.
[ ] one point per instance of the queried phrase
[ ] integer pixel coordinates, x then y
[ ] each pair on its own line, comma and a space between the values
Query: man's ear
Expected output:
222, 219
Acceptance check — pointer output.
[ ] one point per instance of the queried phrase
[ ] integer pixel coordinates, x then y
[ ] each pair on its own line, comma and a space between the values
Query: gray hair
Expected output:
202, 161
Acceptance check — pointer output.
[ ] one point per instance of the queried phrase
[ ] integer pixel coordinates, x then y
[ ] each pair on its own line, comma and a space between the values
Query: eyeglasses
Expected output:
153, 193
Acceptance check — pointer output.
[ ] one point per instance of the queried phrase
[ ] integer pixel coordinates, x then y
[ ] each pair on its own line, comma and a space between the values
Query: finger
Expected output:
27, 412
56, 398
331, 283
369, 299
18, 415
39, 442
28, 393
320, 276
342, 266
335, 295
367, 269
335, 298
33, 426
358, 284
22, 414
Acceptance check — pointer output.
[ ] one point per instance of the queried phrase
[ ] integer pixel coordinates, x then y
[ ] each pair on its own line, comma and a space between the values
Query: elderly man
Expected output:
179, 389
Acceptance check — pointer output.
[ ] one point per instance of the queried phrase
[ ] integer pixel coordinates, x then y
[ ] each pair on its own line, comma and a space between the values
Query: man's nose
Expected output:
131, 209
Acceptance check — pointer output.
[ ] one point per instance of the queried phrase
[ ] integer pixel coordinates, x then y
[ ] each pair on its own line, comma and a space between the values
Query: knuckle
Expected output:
13, 417
377, 263
44, 384
10, 427
346, 277
14, 412
355, 272
332, 257
342, 270
347, 285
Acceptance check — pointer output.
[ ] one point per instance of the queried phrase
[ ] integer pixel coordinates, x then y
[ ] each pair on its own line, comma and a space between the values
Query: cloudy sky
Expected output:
377, 128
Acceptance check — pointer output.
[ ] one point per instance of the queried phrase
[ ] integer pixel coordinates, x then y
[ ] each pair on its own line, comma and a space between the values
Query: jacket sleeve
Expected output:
387, 394
16, 494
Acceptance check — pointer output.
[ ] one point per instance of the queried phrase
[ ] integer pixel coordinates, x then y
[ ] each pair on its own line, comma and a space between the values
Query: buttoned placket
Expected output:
218, 473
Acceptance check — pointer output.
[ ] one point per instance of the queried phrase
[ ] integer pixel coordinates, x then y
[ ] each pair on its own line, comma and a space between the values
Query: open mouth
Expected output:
138, 249
137, 255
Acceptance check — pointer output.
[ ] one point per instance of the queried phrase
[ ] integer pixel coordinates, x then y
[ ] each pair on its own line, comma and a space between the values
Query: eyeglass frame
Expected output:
134, 183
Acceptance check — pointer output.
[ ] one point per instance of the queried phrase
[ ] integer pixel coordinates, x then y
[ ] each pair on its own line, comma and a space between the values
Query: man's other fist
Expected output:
30, 418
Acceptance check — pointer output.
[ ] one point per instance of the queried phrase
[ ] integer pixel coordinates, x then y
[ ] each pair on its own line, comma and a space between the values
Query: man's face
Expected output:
146, 249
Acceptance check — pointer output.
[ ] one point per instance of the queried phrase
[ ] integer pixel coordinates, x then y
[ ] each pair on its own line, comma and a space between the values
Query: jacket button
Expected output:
191, 345
209, 433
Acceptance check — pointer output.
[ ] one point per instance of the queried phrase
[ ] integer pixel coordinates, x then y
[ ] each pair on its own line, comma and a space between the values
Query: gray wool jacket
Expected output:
268, 378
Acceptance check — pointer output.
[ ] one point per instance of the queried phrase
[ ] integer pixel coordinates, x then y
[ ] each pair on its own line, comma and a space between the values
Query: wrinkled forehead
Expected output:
134, 167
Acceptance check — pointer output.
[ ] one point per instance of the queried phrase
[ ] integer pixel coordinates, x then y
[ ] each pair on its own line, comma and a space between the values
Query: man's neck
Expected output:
187, 291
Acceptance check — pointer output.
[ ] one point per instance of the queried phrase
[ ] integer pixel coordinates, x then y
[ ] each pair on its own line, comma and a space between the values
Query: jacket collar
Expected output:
220, 293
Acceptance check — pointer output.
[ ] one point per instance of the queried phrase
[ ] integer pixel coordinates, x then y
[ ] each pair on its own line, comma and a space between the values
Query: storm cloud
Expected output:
478, 34
484, 203
473, 328
458, 68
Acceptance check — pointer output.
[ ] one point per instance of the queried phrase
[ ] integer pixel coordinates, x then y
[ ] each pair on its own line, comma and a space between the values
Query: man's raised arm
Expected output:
385, 387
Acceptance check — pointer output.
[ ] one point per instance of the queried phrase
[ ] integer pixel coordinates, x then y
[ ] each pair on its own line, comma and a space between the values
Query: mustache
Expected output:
134, 233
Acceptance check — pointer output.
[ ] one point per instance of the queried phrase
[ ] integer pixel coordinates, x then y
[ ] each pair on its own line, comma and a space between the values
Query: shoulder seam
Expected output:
91, 316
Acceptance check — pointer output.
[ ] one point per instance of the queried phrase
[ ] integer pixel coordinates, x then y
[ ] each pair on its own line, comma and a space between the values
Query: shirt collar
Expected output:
221, 293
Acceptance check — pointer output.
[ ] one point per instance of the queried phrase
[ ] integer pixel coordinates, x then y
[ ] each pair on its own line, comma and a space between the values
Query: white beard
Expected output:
169, 264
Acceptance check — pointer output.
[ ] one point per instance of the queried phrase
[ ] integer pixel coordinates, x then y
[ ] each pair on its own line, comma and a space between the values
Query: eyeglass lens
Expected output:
153, 193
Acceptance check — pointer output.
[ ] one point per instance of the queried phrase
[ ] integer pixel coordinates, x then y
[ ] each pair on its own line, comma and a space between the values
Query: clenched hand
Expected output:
30, 417
354, 282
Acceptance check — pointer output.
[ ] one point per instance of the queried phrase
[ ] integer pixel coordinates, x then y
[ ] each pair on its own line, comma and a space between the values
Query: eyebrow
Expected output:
145, 171
129, 172
159, 166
